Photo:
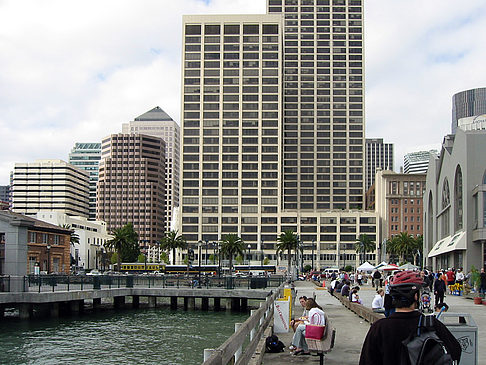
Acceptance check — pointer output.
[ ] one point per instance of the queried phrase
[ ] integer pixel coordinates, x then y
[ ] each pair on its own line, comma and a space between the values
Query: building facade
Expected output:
264, 152
399, 203
89, 253
157, 123
50, 184
131, 185
379, 155
48, 245
417, 162
467, 103
455, 201
86, 156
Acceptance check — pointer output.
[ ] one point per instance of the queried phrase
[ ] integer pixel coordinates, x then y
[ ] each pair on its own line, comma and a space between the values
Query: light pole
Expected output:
249, 248
199, 261
207, 252
219, 260
261, 252
48, 247
313, 242
214, 252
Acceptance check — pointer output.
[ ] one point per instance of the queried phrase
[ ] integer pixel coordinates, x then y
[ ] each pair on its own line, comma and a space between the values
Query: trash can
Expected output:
229, 282
465, 330
129, 281
96, 282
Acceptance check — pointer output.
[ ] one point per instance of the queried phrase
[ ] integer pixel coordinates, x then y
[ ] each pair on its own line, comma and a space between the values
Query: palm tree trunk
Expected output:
118, 260
231, 265
289, 259
173, 256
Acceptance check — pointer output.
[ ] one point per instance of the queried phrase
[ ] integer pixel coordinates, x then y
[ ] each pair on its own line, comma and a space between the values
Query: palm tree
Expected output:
287, 241
401, 245
231, 245
172, 241
74, 238
364, 244
122, 237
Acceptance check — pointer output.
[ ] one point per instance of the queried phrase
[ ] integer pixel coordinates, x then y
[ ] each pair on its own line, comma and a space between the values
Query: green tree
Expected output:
124, 243
164, 257
402, 245
231, 245
239, 259
141, 258
287, 241
364, 244
172, 241
266, 261
74, 237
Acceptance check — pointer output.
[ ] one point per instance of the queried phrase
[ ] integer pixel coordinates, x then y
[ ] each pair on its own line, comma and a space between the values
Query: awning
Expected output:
449, 244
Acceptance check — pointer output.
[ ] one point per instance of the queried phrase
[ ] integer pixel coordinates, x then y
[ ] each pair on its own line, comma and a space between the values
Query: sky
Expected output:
74, 71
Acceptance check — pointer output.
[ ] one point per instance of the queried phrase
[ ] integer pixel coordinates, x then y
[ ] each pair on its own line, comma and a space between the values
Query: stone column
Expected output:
152, 302
235, 304
244, 304
16, 238
204, 304
173, 302
118, 302
54, 310
135, 301
96, 302
25, 311
217, 304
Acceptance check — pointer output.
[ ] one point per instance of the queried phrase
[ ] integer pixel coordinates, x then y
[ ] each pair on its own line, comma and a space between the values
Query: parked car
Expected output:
94, 273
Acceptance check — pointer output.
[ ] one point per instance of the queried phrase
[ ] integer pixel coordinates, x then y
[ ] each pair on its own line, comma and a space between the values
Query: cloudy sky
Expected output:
74, 71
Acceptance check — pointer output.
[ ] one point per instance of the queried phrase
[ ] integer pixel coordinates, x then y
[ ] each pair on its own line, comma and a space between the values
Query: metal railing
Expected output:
52, 283
4, 283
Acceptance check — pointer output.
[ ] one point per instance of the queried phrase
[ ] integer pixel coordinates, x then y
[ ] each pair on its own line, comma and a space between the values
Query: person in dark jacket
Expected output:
383, 343
482, 277
439, 290
345, 289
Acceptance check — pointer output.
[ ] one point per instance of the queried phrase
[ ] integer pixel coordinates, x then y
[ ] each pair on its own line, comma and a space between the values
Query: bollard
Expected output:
240, 349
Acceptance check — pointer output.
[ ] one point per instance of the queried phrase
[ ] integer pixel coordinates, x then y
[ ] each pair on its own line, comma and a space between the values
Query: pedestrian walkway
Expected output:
350, 332
351, 329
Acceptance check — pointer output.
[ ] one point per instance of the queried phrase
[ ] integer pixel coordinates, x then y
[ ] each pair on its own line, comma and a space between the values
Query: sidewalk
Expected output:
350, 332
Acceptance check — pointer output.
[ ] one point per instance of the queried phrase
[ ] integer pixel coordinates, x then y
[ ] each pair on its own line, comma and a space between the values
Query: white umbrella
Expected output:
408, 266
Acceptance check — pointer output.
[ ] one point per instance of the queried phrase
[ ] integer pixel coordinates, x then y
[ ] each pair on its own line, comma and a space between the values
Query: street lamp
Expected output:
48, 247
219, 260
313, 242
207, 252
215, 246
199, 260
249, 248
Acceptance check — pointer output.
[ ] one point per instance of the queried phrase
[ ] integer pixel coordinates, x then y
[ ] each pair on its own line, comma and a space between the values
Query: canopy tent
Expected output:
383, 263
389, 267
366, 267
408, 266
449, 244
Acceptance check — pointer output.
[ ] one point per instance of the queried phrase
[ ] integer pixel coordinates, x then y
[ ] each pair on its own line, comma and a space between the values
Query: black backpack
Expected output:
424, 347
273, 344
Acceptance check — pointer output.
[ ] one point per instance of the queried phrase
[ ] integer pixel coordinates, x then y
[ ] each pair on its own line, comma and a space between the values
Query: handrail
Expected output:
260, 319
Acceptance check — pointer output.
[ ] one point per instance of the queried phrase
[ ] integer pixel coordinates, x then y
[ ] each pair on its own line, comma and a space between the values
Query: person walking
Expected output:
377, 279
439, 290
482, 277
383, 343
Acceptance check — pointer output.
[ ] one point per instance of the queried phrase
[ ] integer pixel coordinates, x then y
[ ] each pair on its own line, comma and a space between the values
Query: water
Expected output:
147, 336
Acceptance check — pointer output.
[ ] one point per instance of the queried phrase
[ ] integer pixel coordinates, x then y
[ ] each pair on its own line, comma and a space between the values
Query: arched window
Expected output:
458, 200
484, 178
446, 201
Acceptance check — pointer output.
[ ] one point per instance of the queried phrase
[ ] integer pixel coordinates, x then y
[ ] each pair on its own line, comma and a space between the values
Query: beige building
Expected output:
50, 184
398, 200
158, 123
131, 185
273, 128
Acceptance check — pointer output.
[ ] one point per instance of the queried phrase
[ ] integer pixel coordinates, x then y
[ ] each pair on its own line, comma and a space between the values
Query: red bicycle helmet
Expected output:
407, 278
403, 287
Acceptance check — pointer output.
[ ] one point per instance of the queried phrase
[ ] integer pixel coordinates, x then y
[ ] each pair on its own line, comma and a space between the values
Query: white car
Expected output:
94, 273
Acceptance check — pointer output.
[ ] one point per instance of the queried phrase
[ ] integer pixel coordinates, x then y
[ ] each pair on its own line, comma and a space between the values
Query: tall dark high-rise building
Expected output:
378, 155
131, 185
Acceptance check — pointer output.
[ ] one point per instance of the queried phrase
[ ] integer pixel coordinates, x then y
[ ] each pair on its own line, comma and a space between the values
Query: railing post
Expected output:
68, 281
253, 331
240, 349
40, 283
208, 353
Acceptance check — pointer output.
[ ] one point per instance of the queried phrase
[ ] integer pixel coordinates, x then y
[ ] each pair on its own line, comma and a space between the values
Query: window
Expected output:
445, 207
458, 200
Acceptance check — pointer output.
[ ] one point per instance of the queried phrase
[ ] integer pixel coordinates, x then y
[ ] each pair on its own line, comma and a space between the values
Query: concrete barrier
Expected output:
364, 312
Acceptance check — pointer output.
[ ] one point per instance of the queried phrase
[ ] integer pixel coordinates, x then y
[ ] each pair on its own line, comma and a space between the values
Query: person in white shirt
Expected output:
316, 316
378, 303
459, 276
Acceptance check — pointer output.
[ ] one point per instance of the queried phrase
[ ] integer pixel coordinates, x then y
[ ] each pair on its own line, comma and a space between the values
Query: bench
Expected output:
364, 312
325, 344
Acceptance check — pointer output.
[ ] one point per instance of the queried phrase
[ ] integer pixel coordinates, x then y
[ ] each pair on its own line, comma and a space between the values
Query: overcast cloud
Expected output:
74, 71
